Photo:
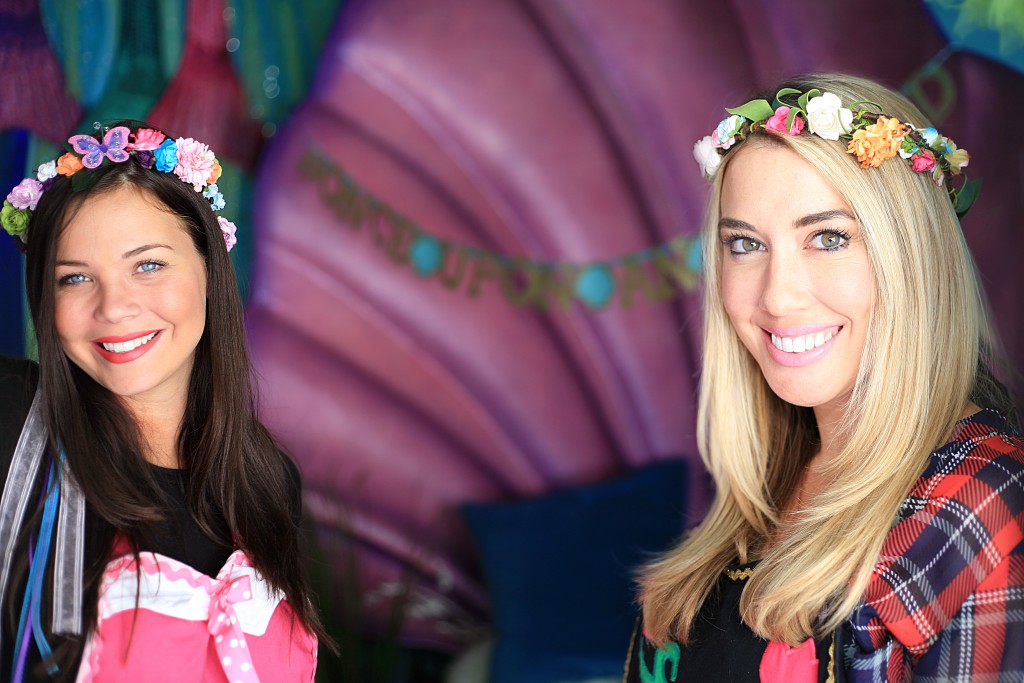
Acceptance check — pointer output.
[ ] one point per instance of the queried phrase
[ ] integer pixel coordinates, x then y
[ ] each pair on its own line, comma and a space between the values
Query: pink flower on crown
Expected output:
26, 194
777, 123
146, 138
195, 162
227, 229
923, 161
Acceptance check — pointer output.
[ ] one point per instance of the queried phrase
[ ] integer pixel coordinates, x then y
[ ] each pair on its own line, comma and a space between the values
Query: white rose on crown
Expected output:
706, 154
827, 118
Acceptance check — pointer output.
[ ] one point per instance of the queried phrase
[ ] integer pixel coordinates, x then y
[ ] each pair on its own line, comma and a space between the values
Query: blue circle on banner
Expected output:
426, 255
694, 260
595, 285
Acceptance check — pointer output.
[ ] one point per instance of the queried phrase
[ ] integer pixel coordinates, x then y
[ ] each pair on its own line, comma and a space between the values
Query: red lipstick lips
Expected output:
125, 356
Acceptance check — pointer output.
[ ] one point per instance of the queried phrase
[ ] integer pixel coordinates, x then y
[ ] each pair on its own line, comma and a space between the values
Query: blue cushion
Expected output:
559, 570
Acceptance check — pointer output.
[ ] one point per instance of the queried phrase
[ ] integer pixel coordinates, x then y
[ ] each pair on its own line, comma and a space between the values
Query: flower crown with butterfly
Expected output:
190, 160
872, 137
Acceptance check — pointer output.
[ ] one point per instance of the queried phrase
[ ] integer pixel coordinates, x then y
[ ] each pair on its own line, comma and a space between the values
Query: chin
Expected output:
806, 393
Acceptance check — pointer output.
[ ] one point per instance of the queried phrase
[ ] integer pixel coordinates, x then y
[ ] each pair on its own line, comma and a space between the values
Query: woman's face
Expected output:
796, 281
130, 296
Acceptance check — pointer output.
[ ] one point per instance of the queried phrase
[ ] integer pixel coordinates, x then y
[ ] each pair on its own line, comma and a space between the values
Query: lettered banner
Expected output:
656, 274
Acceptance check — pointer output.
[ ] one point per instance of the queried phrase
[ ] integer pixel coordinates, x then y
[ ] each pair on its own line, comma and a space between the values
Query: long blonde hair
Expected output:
927, 332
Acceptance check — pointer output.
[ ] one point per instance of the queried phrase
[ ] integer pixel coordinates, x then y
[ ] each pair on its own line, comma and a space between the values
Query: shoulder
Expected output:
18, 378
977, 475
960, 529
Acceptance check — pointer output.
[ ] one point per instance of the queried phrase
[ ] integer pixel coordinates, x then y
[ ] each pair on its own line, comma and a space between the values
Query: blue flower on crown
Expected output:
728, 127
166, 156
930, 135
213, 193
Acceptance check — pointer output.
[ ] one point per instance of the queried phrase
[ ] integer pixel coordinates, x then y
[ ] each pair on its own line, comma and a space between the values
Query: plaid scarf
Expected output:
946, 602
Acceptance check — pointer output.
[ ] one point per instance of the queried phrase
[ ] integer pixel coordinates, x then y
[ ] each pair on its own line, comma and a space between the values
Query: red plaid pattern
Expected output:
946, 602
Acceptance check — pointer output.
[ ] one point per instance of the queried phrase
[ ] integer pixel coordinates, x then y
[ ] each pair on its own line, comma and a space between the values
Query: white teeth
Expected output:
801, 344
124, 347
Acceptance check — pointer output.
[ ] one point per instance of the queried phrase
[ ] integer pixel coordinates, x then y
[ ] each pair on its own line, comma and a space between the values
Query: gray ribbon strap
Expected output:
17, 496
69, 555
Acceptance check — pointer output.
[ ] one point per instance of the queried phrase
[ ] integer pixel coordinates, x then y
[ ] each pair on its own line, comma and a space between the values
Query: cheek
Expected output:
187, 306
65, 319
851, 291
737, 298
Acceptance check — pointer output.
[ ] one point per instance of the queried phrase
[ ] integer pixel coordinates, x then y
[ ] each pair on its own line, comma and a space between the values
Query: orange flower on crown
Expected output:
875, 143
215, 173
69, 164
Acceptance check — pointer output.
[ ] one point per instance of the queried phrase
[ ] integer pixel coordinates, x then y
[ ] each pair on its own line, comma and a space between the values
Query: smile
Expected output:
124, 347
802, 346
803, 343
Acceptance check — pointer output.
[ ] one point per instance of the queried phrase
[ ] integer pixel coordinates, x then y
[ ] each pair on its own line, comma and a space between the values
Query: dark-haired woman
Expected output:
148, 522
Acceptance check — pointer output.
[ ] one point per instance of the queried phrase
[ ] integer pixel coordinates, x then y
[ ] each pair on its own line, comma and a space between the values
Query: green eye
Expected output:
830, 241
738, 244
744, 245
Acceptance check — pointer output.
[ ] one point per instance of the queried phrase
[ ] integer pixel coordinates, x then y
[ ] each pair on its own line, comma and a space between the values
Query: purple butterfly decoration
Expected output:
112, 147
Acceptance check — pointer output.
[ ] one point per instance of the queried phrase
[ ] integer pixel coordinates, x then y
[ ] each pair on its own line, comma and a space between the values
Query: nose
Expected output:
116, 301
786, 285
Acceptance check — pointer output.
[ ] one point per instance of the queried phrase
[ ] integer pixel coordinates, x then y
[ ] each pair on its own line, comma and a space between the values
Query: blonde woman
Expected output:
868, 523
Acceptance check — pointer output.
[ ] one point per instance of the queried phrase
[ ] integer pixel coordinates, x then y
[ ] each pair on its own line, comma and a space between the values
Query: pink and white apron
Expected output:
191, 627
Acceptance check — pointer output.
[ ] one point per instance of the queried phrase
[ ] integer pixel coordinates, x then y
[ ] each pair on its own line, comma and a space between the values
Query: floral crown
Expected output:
872, 137
190, 160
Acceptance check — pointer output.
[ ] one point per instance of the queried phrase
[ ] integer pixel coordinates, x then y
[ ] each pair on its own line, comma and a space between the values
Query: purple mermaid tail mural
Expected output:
475, 276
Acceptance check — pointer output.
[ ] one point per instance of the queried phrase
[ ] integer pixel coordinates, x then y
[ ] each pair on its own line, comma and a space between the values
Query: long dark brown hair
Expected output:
235, 470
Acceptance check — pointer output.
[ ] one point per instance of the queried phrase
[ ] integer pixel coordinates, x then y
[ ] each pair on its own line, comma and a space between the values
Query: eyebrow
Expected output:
822, 216
128, 254
802, 222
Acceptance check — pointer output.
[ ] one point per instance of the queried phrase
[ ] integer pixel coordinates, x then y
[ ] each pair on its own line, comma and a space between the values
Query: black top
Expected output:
177, 536
722, 648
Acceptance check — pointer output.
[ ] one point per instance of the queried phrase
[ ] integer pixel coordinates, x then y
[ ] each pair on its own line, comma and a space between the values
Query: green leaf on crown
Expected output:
755, 110
809, 95
782, 93
966, 195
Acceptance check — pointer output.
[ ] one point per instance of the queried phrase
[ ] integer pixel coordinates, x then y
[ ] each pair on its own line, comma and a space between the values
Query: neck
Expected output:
159, 424
830, 422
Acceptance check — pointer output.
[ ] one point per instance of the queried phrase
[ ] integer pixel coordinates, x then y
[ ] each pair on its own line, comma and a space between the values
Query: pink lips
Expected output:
797, 360
127, 356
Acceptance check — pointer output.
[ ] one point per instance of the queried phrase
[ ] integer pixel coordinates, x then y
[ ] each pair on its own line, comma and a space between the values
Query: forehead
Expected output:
769, 183
119, 218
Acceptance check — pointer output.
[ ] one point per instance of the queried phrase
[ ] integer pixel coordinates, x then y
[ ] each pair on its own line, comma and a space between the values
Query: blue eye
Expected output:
71, 279
149, 266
